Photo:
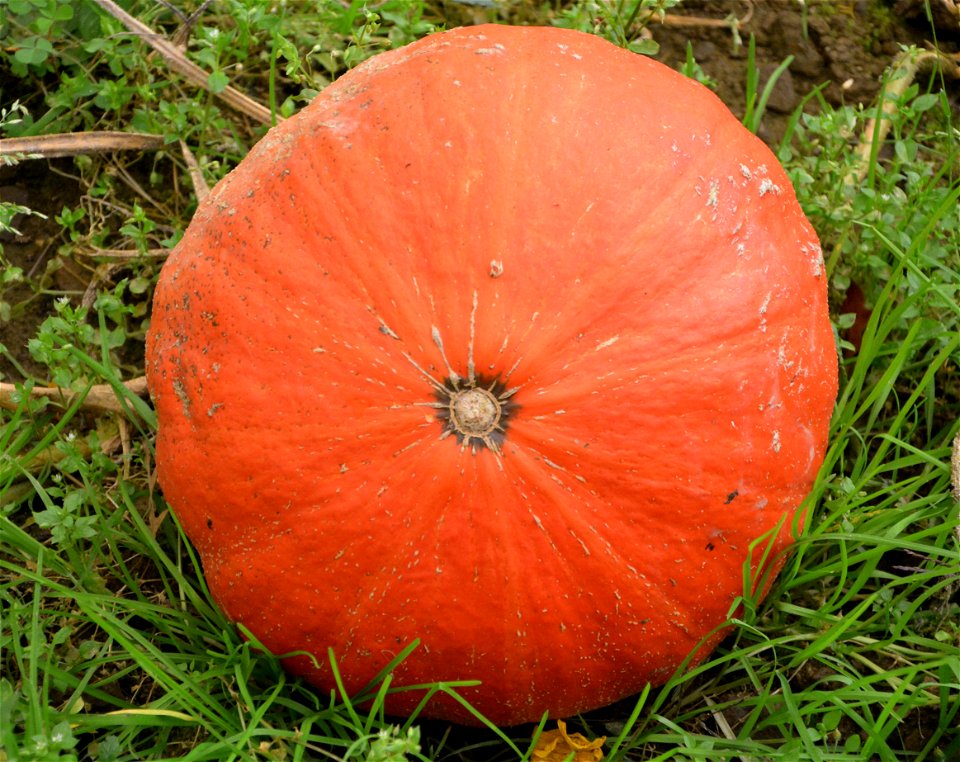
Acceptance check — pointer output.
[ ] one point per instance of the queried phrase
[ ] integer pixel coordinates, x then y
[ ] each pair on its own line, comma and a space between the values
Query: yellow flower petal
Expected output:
558, 745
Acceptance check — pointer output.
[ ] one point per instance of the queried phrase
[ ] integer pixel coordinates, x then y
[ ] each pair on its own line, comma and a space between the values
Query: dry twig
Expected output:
123, 255
200, 187
955, 471
730, 22
100, 398
904, 70
177, 61
77, 143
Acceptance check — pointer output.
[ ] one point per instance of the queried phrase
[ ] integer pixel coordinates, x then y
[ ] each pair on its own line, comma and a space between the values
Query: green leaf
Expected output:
35, 51
218, 82
20, 7
62, 12
139, 285
87, 22
925, 102
644, 47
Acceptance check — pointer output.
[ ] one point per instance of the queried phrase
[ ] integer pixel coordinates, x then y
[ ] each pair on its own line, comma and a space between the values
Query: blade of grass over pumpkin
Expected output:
377, 712
371, 689
342, 690
750, 642
380, 686
754, 583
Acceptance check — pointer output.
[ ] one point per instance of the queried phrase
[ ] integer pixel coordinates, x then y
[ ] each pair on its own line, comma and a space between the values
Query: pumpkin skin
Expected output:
535, 207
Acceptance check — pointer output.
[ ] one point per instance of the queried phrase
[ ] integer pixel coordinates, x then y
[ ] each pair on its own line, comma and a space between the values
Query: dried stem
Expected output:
955, 471
177, 61
76, 143
730, 22
904, 70
200, 187
100, 398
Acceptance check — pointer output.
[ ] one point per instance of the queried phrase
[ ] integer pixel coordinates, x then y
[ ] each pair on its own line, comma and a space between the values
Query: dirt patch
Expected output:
841, 47
46, 188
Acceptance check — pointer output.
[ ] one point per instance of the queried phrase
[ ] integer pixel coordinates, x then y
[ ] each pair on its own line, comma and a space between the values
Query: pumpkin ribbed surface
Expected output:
512, 342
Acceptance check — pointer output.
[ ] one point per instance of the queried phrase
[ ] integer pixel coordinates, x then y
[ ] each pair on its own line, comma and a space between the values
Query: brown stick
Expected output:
126, 254
101, 398
955, 478
730, 22
903, 71
200, 187
77, 143
955, 472
184, 66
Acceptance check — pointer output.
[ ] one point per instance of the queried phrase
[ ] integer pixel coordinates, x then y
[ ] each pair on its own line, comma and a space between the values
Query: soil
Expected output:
841, 46
39, 186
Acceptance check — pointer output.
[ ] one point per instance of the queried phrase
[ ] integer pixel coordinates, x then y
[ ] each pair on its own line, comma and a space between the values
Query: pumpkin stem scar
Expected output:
474, 409
476, 414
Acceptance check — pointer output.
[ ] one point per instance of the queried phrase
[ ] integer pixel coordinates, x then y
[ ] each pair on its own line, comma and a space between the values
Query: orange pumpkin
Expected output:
512, 342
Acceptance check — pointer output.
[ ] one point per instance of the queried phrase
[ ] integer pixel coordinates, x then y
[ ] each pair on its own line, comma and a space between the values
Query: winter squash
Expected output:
512, 342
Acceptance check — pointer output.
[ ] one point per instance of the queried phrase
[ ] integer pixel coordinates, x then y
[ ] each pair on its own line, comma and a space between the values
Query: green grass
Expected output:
110, 646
